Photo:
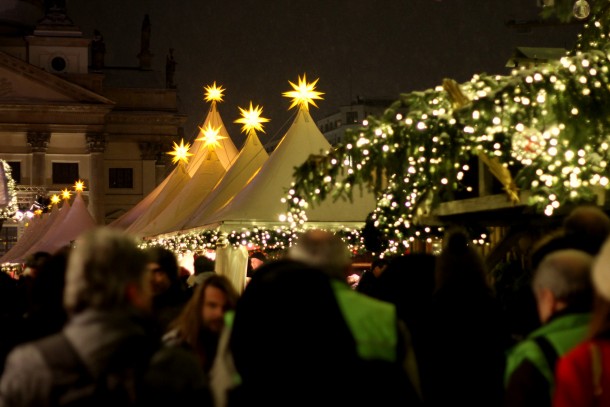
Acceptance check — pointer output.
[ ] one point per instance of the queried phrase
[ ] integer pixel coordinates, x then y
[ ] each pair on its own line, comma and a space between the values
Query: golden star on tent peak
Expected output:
181, 152
211, 137
79, 186
55, 199
65, 194
213, 93
303, 94
251, 119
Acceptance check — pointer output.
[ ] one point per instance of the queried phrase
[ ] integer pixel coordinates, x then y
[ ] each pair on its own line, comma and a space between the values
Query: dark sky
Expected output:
372, 49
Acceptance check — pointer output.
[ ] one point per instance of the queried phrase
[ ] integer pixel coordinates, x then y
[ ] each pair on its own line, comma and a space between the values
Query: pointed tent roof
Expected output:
176, 181
260, 200
129, 217
75, 222
247, 164
186, 201
34, 231
226, 151
200, 152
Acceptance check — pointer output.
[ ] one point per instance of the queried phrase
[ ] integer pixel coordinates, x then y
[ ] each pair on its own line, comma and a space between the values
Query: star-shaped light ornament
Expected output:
211, 136
55, 199
213, 93
251, 119
65, 194
181, 152
303, 94
79, 186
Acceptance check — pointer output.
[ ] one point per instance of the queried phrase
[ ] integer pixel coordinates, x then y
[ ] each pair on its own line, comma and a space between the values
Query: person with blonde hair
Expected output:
199, 325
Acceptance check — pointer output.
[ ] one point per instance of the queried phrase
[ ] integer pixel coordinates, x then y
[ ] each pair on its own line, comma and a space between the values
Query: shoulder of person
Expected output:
175, 377
27, 379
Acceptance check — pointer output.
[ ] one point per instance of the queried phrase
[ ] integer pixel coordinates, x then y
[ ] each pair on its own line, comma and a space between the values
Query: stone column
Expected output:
38, 142
96, 145
152, 158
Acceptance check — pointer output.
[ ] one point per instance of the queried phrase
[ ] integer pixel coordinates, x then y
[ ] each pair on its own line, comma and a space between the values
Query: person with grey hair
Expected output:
564, 297
106, 353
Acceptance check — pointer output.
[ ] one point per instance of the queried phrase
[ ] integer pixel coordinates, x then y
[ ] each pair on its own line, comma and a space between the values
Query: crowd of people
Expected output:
106, 323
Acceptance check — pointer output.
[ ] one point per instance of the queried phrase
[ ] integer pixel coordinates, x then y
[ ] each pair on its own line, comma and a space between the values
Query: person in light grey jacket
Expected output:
106, 354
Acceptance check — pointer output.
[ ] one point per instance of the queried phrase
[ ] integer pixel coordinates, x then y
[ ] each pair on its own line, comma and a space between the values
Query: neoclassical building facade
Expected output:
65, 116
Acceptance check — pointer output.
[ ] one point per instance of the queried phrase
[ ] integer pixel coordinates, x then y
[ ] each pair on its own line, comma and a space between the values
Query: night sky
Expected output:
372, 49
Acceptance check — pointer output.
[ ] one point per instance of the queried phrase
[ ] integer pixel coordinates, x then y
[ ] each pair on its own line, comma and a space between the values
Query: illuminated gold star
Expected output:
211, 137
213, 93
55, 199
65, 194
251, 119
38, 212
79, 186
181, 152
303, 93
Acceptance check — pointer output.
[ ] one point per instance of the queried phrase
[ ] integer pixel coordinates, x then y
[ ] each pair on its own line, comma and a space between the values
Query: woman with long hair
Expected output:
201, 321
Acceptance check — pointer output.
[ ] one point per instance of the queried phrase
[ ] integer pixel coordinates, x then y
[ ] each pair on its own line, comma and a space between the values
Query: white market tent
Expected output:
187, 198
247, 164
174, 183
149, 207
259, 202
35, 228
69, 225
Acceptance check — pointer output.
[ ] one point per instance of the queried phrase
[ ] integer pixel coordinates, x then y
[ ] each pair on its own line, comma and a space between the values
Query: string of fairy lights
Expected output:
11, 206
544, 129
271, 239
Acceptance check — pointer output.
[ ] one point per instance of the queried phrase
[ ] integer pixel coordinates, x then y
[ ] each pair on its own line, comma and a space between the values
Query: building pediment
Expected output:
23, 83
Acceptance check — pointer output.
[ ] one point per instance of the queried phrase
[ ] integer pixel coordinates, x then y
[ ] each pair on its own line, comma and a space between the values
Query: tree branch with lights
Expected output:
545, 129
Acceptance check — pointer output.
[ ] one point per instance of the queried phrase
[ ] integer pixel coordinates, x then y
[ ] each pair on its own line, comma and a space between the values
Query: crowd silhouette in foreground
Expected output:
104, 322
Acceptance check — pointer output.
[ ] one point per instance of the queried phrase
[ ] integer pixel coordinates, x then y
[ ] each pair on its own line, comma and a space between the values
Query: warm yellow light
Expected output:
213, 93
55, 199
65, 194
181, 152
303, 94
251, 119
211, 138
38, 212
79, 186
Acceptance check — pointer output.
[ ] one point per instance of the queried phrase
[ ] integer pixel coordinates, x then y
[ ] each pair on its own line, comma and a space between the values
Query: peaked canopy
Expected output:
247, 164
35, 228
148, 208
69, 225
260, 200
175, 182
185, 201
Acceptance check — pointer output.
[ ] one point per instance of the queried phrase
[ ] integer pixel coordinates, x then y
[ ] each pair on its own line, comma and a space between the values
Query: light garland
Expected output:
548, 126
271, 239
12, 207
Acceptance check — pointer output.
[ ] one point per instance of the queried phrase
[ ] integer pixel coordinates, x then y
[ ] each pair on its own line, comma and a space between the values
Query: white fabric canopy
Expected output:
226, 151
259, 202
232, 262
149, 207
177, 180
247, 164
37, 228
129, 217
186, 199
72, 224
